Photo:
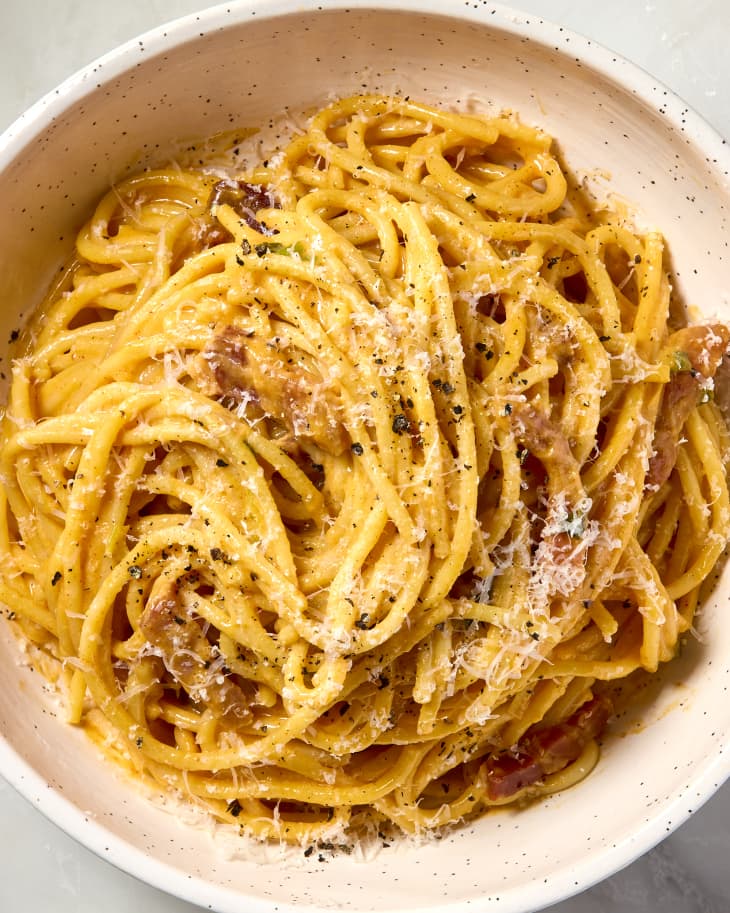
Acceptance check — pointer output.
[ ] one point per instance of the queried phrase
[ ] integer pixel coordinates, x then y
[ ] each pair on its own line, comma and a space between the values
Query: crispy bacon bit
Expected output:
201, 233
704, 348
205, 231
566, 519
547, 750
190, 657
245, 200
543, 437
242, 369
507, 774
492, 306
211, 233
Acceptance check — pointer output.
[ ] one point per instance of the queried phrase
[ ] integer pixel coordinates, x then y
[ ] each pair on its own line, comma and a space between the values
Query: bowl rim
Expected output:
705, 780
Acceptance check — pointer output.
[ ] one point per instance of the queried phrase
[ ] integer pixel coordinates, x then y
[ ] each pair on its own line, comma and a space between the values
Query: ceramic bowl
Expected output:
239, 65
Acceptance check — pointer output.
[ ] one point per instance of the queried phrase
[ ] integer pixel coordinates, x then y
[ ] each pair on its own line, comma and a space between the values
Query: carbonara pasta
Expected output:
338, 493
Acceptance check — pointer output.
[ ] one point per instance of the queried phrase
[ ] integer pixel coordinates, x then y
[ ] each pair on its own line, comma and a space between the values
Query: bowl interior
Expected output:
234, 67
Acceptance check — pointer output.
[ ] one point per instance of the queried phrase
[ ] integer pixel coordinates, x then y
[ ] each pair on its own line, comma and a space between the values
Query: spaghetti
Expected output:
338, 493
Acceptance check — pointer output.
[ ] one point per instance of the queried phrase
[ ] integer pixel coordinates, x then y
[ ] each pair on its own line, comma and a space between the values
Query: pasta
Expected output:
338, 494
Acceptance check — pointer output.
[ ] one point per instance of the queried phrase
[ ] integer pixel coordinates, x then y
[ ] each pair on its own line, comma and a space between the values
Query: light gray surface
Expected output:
681, 42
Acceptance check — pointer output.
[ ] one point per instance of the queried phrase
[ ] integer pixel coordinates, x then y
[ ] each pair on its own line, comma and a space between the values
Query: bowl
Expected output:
223, 68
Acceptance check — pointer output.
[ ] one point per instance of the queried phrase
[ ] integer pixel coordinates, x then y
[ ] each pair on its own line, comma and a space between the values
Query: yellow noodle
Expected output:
335, 490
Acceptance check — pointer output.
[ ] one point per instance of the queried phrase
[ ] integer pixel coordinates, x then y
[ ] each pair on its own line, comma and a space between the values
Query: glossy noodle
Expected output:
339, 493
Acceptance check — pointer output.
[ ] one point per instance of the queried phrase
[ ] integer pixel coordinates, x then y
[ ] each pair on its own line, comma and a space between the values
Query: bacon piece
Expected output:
201, 233
546, 750
242, 368
210, 233
546, 441
559, 563
245, 200
205, 231
704, 347
507, 774
189, 656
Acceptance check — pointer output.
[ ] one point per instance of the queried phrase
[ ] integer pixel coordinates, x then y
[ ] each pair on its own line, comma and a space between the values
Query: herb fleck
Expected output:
680, 363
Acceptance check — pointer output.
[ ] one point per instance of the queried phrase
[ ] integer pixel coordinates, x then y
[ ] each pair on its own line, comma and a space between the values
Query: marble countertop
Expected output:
681, 42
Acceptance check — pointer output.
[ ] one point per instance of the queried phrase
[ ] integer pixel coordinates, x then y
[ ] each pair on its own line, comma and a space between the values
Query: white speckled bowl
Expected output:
239, 64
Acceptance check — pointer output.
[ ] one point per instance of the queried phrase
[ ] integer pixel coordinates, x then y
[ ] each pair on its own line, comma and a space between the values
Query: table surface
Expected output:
683, 43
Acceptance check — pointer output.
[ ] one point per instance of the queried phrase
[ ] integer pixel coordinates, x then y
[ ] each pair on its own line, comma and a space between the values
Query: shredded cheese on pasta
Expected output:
339, 491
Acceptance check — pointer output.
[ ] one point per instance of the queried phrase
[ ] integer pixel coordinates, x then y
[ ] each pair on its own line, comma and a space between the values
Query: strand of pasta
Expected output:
390, 612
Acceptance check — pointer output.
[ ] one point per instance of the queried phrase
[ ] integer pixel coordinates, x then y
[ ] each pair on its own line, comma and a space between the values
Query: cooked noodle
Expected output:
339, 490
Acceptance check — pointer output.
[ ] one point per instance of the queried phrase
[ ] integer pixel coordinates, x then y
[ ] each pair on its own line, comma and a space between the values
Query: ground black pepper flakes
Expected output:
234, 808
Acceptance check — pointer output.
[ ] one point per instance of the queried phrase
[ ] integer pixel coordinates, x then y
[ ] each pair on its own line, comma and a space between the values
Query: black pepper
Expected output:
234, 808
